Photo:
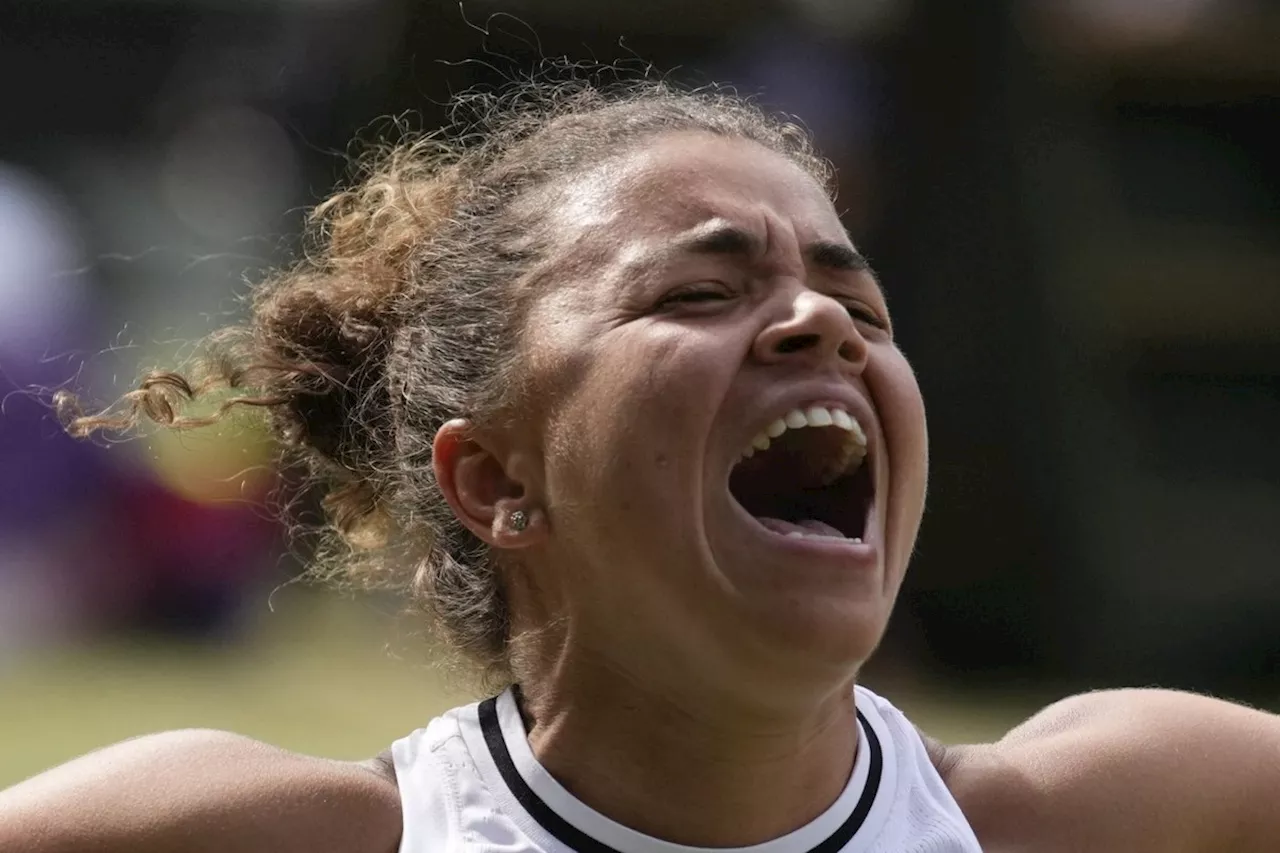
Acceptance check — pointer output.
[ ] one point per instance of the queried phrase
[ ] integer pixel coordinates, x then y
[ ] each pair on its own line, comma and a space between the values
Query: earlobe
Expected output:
517, 524
494, 505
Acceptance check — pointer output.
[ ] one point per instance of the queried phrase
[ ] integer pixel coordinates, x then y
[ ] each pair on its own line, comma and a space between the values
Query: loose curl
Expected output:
407, 309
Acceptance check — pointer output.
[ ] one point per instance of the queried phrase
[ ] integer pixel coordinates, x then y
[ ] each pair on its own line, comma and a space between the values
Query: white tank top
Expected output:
469, 783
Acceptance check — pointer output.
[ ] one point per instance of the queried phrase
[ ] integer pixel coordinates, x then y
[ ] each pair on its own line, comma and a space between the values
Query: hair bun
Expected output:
407, 308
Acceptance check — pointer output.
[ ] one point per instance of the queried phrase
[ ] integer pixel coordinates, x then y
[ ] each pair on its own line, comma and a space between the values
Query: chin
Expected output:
818, 640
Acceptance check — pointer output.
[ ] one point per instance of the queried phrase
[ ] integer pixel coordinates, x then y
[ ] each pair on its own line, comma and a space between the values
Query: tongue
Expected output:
804, 525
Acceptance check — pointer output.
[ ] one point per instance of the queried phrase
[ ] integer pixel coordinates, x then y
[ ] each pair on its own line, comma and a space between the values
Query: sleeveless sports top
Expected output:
469, 783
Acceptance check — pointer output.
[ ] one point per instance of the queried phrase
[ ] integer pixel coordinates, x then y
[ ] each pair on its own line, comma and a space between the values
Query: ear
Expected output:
484, 488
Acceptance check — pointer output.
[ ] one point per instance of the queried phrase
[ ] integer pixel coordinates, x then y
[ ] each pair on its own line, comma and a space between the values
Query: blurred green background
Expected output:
1074, 206
318, 675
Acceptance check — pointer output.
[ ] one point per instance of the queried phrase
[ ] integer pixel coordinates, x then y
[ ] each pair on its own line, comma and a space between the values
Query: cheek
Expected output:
901, 409
627, 426
624, 468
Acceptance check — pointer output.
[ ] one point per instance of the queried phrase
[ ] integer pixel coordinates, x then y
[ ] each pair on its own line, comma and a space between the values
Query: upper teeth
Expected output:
852, 451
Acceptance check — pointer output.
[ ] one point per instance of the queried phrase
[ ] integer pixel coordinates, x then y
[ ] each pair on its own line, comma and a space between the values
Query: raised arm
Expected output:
198, 791
1134, 770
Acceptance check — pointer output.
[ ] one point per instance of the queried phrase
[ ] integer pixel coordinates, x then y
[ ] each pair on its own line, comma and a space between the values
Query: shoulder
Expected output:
205, 790
360, 789
1126, 769
313, 804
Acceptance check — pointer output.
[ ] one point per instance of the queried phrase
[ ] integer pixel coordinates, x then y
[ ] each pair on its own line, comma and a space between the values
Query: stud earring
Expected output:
519, 520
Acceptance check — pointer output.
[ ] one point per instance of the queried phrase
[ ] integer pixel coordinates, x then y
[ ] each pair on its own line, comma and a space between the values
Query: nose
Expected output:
815, 330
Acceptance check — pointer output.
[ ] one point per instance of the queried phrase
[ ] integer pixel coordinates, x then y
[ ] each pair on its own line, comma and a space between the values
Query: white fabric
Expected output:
456, 798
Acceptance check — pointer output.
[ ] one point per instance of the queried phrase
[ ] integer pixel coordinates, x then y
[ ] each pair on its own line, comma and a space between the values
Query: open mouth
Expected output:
805, 475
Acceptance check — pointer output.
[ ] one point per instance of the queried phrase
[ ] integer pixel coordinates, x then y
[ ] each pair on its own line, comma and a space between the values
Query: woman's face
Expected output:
701, 293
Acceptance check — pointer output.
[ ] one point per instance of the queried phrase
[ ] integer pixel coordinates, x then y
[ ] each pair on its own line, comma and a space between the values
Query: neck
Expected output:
730, 773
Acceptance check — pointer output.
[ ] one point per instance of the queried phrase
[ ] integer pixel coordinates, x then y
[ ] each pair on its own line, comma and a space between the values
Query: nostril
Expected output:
795, 343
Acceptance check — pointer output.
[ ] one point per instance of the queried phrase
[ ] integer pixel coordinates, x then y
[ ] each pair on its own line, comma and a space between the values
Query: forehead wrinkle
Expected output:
635, 225
631, 214
710, 237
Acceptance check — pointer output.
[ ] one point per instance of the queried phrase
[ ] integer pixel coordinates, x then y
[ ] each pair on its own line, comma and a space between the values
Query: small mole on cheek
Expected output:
661, 460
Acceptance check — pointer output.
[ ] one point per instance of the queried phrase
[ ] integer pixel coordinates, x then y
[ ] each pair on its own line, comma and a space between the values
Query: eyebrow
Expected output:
838, 257
731, 240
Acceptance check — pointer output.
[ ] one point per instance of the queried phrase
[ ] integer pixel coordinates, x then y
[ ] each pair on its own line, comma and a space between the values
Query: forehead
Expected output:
681, 181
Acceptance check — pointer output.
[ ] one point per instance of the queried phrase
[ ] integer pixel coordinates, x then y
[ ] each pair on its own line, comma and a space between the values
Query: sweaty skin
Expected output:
699, 285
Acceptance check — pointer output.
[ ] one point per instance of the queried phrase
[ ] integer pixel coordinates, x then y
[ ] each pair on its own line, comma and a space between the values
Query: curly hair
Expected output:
406, 309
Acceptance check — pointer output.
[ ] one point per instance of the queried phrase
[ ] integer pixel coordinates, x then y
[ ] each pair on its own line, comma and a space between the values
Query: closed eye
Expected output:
866, 315
696, 295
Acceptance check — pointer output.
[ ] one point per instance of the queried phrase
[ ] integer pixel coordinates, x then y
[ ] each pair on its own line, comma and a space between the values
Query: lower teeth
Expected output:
796, 534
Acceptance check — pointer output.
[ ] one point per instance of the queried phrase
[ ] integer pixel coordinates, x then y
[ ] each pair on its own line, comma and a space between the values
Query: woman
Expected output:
607, 383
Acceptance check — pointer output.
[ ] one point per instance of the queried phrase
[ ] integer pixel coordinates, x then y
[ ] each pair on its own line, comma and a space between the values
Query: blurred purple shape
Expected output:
826, 82
44, 315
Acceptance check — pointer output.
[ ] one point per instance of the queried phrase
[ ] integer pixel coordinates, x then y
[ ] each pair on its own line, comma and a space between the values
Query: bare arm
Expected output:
1133, 770
195, 791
